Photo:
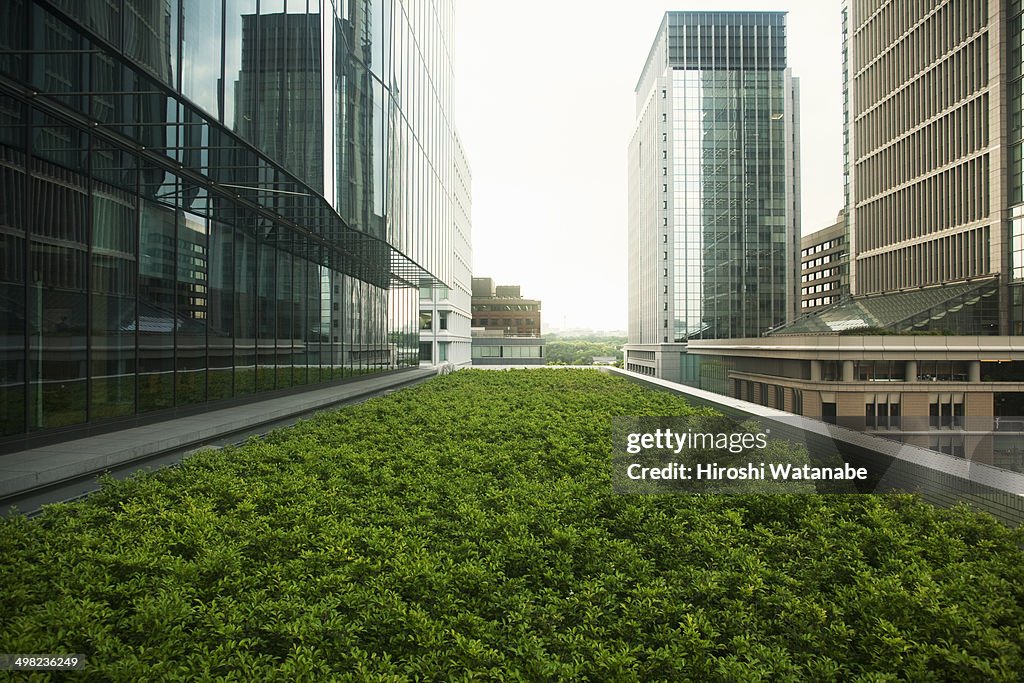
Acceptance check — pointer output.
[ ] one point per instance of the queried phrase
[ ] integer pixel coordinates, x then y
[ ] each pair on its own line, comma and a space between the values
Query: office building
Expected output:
927, 350
502, 308
204, 202
713, 184
506, 326
823, 267
934, 163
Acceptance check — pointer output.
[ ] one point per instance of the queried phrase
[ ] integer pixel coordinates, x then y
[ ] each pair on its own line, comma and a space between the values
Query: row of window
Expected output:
949, 25
820, 261
950, 81
507, 351
824, 246
506, 322
957, 196
955, 257
818, 275
959, 133
427, 323
824, 287
819, 301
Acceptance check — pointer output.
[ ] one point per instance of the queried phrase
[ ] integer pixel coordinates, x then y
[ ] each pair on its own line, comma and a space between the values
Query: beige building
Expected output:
824, 259
959, 395
932, 100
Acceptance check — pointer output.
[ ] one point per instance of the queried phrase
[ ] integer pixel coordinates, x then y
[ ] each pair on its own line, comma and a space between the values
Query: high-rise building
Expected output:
934, 134
713, 182
928, 349
202, 201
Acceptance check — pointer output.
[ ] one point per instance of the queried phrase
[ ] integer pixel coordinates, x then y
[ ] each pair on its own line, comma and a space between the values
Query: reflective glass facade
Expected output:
714, 180
198, 199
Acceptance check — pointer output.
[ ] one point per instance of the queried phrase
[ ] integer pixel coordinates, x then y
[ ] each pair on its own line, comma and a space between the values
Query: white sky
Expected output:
545, 108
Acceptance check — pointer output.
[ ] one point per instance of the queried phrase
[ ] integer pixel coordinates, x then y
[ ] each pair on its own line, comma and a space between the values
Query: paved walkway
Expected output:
26, 470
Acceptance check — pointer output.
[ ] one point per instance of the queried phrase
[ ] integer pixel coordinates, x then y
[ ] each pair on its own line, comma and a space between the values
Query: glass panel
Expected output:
200, 53
222, 311
12, 292
157, 321
151, 36
192, 309
245, 300
267, 307
57, 296
285, 318
239, 22
112, 355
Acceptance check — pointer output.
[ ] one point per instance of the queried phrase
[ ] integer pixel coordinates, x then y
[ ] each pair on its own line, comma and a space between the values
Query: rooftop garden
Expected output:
466, 529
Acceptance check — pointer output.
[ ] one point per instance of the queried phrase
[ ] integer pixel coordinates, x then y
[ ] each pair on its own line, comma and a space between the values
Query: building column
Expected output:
911, 371
974, 371
815, 370
847, 370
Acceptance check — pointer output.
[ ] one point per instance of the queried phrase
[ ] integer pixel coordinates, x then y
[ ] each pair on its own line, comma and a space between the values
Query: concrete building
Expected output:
824, 258
713, 184
502, 308
934, 151
958, 395
206, 202
506, 326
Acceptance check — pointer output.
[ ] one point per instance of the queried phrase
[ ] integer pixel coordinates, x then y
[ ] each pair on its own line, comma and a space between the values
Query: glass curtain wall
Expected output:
180, 249
728, 173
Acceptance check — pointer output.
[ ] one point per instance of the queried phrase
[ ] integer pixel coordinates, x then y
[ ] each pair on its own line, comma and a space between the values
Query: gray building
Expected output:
713, 182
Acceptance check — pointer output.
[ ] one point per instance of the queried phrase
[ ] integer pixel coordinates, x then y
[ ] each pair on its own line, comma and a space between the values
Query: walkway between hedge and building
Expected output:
79, 461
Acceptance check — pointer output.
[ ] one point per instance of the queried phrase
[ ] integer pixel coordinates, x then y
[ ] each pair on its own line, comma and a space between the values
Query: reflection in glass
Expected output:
221, 324
112, 343
200, 53
157, 321
191, 310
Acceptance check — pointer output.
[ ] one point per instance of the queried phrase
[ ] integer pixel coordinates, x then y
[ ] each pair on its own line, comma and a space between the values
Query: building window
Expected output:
942, 370
879, 370
882, 411
946, 411
831, 370
425, 320
442, 351
442, 320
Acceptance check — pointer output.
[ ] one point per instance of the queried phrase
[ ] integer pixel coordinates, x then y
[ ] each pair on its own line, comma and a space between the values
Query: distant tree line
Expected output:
581, 350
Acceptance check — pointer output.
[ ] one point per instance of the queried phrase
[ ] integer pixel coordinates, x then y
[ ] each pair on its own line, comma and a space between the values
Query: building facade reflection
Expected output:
198, 200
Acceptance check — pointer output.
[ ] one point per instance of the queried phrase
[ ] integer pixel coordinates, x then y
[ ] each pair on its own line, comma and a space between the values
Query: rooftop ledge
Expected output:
987, 345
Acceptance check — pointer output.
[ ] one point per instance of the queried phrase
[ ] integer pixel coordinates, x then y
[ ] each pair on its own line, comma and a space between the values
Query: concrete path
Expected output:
24, 471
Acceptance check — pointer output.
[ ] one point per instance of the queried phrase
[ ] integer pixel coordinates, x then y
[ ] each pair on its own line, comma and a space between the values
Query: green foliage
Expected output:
466, 529
580, 351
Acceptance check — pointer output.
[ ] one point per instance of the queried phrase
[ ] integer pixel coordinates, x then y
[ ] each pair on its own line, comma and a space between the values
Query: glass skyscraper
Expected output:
714, 181
202, 200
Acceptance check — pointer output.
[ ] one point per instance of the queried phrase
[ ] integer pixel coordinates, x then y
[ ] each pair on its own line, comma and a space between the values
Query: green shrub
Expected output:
466, 528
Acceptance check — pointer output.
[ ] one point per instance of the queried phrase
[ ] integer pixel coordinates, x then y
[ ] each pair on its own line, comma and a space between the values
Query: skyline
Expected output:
549, 169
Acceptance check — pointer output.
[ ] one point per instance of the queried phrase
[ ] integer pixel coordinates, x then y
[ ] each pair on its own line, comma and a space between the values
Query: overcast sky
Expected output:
545, 108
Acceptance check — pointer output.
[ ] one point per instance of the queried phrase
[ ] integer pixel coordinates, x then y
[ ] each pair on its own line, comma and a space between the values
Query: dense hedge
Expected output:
466, 529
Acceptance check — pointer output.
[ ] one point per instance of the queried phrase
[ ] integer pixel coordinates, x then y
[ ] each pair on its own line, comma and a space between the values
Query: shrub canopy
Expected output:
466, 528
